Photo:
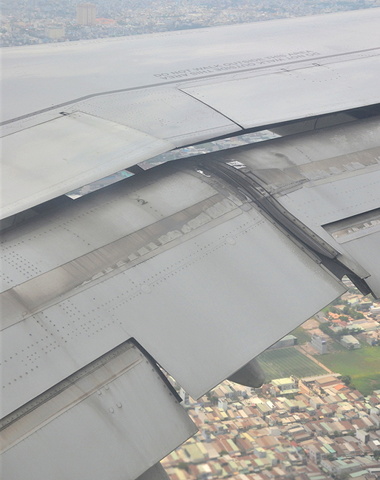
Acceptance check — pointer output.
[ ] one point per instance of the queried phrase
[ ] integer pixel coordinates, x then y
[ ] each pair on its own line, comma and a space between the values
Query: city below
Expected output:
26, 22
321, 422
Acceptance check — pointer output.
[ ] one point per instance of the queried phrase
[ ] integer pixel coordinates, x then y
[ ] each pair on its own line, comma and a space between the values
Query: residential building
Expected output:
350, 342
319, 342
86, 14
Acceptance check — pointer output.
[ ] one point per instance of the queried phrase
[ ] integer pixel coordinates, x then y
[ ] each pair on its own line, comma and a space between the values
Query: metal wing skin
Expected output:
193, 267
82, 111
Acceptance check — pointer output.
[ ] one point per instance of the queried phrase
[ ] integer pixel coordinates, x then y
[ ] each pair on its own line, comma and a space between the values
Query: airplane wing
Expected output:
193, 267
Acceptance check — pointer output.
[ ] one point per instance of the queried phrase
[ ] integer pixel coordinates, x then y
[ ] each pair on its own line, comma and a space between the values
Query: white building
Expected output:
319, 342
55, 32
350, 342
86, 14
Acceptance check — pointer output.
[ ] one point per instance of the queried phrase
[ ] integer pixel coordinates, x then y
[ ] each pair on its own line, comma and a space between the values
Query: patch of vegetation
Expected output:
337, 335
183, 466
347, 310
367, 383
284, 362
336, 347
362, 365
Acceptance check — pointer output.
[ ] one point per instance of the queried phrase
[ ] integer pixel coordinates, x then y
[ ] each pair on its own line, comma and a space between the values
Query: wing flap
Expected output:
194, 289
118, 408
325, 179
53, 158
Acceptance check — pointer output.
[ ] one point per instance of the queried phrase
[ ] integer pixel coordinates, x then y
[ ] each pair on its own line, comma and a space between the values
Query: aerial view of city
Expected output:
316, 417
26, 22
317, 414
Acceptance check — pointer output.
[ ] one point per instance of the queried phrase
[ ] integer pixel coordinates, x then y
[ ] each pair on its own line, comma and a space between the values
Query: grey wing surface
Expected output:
193, 267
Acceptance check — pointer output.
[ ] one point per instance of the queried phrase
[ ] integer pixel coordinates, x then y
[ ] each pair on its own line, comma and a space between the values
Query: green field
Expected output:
284, 362
362, 365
